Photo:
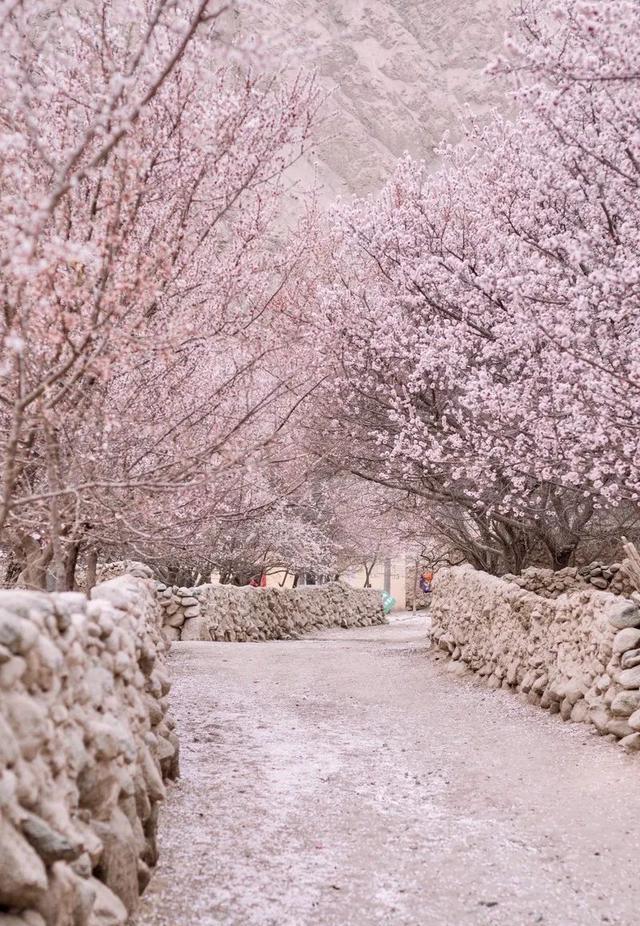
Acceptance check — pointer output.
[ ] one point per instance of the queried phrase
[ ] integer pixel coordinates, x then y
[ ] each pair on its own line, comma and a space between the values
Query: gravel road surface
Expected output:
348, 780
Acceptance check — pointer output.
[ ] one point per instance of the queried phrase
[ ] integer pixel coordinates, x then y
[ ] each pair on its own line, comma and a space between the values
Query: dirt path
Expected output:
346, 780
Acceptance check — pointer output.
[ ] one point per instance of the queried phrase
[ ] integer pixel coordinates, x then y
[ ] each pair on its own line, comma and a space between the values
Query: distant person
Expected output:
425, 582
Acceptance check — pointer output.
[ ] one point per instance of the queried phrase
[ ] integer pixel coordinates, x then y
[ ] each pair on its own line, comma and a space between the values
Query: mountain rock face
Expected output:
400, 72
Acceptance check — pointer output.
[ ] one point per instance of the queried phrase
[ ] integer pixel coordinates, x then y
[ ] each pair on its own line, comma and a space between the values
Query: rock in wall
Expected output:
577, 655
113, 569
613, 577
229, 613
549, 583
85, 747
546, 582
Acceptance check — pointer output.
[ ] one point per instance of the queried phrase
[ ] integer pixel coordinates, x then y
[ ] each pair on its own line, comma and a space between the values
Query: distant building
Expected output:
386, 575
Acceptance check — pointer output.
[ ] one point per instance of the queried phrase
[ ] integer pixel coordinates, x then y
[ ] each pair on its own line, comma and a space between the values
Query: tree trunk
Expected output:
55, 521
367, 574
13, 570
562, 557
92, 569
70, 566
36, 561
286, 576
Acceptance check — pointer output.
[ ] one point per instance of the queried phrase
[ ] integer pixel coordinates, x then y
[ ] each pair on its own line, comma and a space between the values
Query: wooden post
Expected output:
632, 566
415, 583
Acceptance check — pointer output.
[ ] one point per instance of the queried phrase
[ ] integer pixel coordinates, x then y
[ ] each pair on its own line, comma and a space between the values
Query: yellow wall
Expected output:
355, 577
274, 579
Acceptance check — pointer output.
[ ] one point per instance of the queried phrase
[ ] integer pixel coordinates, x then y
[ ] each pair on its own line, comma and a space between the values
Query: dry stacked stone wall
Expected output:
86, 746
229, 613
111, 570
550, 584
546, 582
577, 655
611, 577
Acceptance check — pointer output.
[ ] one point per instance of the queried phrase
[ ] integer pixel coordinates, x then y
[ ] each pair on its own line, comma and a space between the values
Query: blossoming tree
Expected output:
143, 282
488, 314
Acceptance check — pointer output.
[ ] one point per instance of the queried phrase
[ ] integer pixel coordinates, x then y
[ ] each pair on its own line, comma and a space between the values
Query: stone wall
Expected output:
113, 569
577, 655
546, 582
611, 577
550, 584
85, 747
226, 612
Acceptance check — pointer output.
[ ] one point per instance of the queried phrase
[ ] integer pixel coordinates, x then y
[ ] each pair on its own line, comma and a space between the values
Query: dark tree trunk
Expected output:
71, 561
560, 558
13, 570
367, 574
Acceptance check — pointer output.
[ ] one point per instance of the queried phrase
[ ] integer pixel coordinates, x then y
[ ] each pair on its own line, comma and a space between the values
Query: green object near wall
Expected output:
388, 602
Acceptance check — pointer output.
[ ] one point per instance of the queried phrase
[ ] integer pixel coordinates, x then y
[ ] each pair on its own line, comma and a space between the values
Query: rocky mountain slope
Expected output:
400, 73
